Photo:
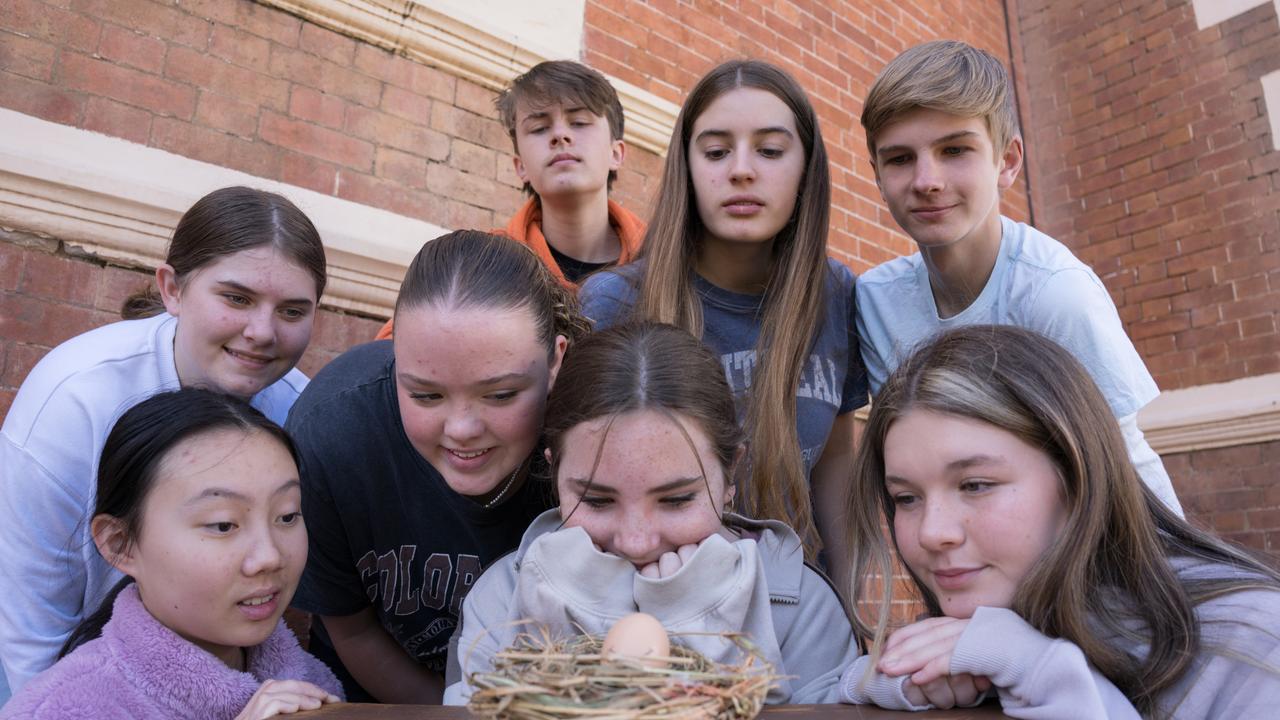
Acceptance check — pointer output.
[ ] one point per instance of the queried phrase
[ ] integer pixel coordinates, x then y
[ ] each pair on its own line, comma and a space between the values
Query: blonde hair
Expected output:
796, 290
1118, 536
948, 76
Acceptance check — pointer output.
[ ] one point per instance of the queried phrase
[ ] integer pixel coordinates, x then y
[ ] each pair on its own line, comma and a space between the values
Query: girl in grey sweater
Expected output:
642, 439
1053, 577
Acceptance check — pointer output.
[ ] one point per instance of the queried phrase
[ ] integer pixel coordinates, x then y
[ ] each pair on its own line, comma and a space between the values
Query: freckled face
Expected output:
472, 386
647, 496
746, 161
976, 507
222, 542
244, 320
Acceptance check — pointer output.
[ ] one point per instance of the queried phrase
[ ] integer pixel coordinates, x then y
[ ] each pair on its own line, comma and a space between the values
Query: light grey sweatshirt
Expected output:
1236, 674
757, 584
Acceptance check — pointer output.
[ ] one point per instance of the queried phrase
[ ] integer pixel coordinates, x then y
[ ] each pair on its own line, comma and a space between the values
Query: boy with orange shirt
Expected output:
566, 122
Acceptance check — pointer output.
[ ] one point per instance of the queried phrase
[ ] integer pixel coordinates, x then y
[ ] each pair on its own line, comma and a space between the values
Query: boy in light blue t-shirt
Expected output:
944, 143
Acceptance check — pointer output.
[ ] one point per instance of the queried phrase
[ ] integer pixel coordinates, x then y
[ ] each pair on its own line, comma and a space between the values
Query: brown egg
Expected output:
638, 636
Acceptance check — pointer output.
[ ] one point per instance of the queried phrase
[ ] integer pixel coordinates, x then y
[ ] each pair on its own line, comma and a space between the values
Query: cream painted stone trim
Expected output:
483, 55
552, 28
1271, 99
120, 201
1240, 412
1212, 12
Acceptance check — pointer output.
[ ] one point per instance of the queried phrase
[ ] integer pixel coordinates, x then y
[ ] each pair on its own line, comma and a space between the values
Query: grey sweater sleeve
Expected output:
1038, 678
859, 688
819, 644
484, 630
1236, 673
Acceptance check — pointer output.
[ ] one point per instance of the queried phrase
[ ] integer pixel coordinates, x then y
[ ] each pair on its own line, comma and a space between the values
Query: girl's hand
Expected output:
282, 697
948, 691
669, 563
923, 651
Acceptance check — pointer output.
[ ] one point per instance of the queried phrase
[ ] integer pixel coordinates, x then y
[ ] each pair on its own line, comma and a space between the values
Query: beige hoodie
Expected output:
757, 584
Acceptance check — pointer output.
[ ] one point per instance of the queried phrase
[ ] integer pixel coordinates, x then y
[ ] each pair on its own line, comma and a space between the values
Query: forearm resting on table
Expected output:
379, 664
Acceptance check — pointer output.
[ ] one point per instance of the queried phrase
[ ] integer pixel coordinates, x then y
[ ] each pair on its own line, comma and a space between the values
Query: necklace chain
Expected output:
505, 487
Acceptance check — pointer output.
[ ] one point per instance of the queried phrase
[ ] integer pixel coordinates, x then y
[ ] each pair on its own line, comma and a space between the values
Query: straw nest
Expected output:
543, 679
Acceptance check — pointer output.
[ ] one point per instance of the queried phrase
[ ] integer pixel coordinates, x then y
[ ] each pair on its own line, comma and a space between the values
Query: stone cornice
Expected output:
466, 50
120, 201
1240, 412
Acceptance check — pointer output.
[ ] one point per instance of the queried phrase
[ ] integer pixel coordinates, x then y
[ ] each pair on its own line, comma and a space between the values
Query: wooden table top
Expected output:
349, 711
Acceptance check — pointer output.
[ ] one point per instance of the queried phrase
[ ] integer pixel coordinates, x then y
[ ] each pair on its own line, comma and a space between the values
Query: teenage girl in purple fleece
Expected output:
199, 505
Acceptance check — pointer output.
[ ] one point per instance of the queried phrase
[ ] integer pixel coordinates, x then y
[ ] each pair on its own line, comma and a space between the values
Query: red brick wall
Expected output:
1151, 156
1234, 492
244, 86
47, 297
834, 49
248, 87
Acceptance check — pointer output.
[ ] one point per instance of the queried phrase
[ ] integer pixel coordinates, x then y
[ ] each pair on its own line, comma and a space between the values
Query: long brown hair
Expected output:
1118, 535
470, 268
795, 294
223, 223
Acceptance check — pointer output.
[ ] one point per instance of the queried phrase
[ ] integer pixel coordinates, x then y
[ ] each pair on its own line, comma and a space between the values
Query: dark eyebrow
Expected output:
495, 380
677, 484
245, 290
717, 133
963, 463
218, 492
950, 137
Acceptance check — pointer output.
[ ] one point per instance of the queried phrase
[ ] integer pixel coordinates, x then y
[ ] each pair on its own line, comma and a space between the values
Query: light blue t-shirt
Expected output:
833, 381
1036, 284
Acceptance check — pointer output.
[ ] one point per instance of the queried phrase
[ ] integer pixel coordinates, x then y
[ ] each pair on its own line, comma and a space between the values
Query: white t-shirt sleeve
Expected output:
41, 566
277, 399
896, 315
872, 343
1073, 308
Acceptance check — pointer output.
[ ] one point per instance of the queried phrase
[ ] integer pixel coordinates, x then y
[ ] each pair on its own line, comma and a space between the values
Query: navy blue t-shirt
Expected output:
385, 530
833, 381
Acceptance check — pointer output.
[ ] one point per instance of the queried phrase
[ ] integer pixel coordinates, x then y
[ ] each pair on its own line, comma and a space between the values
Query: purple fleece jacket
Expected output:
142, 670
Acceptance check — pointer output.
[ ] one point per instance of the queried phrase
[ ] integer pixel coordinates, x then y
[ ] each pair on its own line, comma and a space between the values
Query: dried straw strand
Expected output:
539, 678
